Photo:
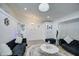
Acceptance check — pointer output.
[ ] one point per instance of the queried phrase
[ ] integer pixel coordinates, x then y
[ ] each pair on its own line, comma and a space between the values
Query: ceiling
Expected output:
56, 11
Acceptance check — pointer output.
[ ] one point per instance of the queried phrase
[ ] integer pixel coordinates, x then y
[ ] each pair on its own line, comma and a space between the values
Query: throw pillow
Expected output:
18, 40
68, 39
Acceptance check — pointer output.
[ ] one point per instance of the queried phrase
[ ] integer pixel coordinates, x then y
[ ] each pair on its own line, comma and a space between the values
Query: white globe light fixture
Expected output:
44, 7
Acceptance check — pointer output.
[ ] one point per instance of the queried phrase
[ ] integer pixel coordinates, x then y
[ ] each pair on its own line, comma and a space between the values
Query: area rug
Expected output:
34, 50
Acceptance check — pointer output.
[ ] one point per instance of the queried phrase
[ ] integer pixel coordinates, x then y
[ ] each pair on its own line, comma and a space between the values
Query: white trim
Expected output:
6, 14
68, 17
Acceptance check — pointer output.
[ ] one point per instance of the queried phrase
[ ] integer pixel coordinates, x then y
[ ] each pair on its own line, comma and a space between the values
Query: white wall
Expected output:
68, 17
50, 33
71, 29
7, 33
40, 31
33, 32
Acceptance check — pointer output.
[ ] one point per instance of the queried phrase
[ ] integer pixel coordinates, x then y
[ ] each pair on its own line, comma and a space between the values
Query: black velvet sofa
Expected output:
72, 47
18, 49
51, 40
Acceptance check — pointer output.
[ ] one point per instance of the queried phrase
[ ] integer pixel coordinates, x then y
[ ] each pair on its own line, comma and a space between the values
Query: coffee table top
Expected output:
49, 48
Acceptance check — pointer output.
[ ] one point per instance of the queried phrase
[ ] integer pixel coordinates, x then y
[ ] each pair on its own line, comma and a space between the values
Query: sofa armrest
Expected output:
24, 41
62, 41
12, 44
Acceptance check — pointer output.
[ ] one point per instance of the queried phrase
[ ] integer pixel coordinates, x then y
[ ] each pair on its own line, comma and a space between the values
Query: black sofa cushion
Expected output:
24, 41
73, 47
12, 44
52, 40
62, 41
74, 43
72, 50
19, 49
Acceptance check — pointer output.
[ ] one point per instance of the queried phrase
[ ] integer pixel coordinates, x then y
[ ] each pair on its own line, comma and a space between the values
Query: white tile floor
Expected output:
36, 42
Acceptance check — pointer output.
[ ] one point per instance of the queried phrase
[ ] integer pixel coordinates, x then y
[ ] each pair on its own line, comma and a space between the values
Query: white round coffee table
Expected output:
49, 48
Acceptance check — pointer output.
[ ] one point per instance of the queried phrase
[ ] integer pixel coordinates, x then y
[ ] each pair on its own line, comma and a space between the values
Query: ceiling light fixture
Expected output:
44, 7
25, 8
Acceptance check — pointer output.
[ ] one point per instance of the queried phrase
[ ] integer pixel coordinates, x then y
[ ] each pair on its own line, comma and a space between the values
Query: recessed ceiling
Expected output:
55, 12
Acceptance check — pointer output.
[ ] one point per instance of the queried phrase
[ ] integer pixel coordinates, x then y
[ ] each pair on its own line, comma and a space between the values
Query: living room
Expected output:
39, 29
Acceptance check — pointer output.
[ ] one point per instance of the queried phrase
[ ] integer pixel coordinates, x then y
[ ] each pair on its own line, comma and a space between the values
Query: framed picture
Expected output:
6, 21
49, 26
